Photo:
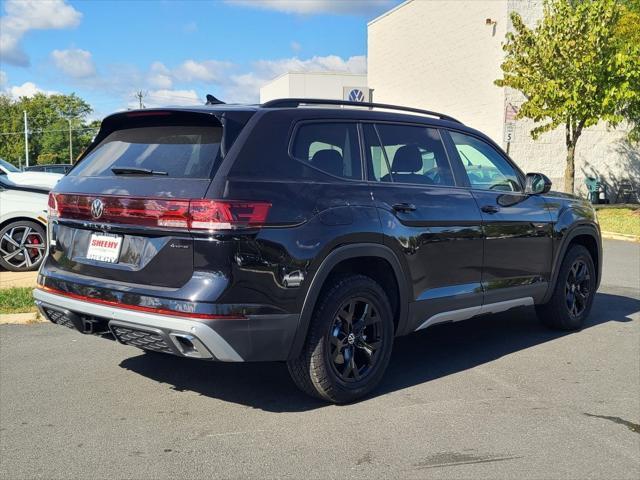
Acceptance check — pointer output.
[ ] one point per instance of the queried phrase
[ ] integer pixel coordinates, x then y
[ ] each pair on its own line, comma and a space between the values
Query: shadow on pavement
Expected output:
433, 353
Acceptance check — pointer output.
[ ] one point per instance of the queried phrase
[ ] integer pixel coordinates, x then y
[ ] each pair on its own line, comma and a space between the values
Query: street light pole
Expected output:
70, 143
26, 139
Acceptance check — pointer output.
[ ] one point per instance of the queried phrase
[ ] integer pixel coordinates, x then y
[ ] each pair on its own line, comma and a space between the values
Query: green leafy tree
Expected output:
628, 30
50, 119
574, 69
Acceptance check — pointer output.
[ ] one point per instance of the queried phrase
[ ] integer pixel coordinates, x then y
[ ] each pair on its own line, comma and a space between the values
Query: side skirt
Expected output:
466, 313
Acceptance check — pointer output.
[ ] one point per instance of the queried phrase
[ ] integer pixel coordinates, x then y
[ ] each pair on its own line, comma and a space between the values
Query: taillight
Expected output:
194, 214
53, 206
226, 215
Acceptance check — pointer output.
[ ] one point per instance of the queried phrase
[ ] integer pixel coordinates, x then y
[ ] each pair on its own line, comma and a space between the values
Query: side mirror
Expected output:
537, 184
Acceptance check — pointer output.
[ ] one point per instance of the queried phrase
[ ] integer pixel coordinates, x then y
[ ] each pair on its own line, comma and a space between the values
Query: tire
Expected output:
14, 255
349, 341
573, 293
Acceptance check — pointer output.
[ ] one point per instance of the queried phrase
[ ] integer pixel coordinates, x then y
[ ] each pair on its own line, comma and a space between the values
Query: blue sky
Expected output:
175, 51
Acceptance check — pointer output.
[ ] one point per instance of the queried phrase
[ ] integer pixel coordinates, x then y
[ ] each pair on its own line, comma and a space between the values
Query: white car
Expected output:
23, 226
31, 179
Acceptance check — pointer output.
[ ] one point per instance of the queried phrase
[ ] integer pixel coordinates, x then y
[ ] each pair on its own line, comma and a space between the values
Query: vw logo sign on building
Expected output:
356, 94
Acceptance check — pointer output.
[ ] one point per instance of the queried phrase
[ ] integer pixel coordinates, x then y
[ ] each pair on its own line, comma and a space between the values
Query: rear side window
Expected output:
410, 154
180, 151
330, 147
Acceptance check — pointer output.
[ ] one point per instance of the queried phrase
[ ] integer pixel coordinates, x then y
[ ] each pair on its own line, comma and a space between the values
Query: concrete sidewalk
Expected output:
17, 279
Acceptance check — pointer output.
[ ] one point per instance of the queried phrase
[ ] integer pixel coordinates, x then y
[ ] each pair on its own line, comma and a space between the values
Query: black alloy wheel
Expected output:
349, 341
573, 293
578, 288
355, 339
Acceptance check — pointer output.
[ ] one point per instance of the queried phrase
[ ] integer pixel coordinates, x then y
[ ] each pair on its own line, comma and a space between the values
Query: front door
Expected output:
517, 227
432, 224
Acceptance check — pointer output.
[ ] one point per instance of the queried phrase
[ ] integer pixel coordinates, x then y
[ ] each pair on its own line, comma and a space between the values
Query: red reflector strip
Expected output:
157, 311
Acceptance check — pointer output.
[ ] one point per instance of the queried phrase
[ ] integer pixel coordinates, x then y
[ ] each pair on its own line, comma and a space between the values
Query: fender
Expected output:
580, 229
334, 258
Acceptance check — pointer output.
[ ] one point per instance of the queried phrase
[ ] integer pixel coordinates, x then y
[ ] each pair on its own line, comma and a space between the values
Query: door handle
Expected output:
404, 207
490, 209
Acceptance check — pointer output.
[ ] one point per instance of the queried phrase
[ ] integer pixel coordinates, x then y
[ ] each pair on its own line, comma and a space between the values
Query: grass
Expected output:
16, 300
620, 220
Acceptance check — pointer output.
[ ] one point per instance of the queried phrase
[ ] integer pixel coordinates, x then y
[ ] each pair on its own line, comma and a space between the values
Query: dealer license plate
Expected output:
104, 247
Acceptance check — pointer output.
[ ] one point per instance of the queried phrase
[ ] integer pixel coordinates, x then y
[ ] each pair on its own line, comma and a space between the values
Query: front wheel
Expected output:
23, 245
349, 342
574, 291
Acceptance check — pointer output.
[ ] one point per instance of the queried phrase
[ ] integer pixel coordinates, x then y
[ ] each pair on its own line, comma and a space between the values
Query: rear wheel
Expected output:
349, 341
23, 245
574, 291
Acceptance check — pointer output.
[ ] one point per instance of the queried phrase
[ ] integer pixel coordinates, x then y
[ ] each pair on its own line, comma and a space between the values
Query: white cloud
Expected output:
28, 89
245, 88
159, 76
21, 16
75, 62
310, 7
205, 71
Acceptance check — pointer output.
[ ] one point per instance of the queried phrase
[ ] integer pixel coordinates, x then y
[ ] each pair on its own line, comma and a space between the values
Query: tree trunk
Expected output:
573, 130
569, 169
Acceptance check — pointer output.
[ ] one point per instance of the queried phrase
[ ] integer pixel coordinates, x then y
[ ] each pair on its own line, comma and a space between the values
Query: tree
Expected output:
629, 33
574, 69
50, 117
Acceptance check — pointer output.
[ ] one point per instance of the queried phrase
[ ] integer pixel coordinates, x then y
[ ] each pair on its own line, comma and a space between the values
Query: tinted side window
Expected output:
330, 147
486, 168
415, 155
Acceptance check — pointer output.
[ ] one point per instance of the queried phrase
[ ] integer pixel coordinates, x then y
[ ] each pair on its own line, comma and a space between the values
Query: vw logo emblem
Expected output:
356, 95
97, 208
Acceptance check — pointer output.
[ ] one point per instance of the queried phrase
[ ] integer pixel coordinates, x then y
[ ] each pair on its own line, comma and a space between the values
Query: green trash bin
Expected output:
597, 190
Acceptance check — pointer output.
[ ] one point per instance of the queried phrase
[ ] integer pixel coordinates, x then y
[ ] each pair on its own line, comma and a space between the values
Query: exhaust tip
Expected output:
189, 345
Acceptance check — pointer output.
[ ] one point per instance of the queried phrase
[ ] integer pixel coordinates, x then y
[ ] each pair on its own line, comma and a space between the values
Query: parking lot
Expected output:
494, 397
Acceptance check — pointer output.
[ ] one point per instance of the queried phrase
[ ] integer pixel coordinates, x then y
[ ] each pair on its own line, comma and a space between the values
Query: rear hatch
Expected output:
130, 208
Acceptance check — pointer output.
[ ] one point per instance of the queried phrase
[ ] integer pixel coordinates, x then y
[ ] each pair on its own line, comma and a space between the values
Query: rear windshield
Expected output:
180, 151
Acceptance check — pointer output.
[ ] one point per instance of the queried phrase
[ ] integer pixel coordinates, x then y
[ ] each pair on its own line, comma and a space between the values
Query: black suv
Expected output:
306, 231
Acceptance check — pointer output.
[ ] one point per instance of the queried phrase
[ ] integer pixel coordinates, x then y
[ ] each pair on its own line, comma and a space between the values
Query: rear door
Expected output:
432, 224
517, 226
120, 213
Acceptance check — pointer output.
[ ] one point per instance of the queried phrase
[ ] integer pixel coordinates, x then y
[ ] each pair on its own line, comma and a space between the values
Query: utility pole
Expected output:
70, 143
140, 95
26, 139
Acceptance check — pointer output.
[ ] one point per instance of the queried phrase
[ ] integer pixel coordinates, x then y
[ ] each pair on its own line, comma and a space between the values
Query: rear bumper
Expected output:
254, 338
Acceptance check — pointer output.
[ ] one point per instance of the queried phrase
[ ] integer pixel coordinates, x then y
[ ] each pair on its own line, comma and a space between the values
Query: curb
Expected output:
620, 236
20, 318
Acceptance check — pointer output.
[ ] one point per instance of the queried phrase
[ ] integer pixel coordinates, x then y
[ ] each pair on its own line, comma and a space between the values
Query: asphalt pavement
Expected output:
497, 397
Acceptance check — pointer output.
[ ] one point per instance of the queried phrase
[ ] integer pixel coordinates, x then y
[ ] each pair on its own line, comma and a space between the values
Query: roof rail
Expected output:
296, 102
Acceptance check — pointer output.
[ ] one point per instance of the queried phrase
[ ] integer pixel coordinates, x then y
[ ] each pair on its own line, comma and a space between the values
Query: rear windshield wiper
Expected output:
136, 171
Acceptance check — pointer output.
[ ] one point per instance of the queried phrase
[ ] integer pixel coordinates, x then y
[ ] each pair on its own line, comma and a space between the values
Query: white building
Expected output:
445, 55
326, 85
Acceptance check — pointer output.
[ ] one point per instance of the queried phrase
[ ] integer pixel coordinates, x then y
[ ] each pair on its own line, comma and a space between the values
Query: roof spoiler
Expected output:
297, 102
